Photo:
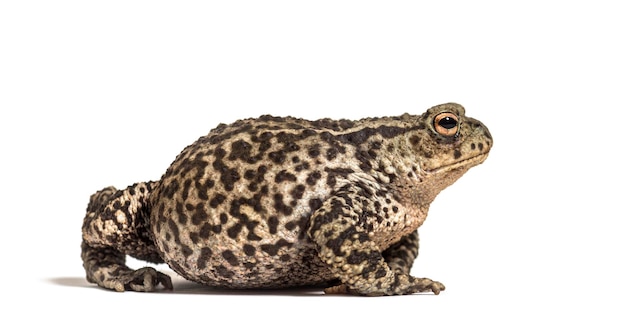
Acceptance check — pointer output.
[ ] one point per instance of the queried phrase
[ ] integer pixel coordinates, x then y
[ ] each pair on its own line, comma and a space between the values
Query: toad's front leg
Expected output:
401, 255
115, 226
344, 244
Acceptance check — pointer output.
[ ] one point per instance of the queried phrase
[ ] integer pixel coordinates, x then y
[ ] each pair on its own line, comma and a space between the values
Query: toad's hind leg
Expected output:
116, 225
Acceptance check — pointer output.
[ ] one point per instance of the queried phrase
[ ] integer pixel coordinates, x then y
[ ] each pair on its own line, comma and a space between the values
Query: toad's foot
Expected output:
418, 285
145, 279
424, 285
105, 267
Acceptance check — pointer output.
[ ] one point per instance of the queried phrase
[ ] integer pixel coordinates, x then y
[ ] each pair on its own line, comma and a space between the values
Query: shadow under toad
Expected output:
182, 286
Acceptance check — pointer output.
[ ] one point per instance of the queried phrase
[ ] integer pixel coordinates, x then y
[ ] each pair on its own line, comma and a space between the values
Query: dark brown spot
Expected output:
186, 251
253, 186
303, 166
195, 237
314, 151
349, 233
313, 177
240, 150
284, 176
291, 147
224, 272
272, 222
205, 231
186, 187
230, 257
234, 230
298, 191
331, 180
205, 255
356, 257
249, 250
272, 250
331, 153
270, 118
174, 228
280, 206
250, 265
170, 189
228, 179
290, 225
339, 171
250, 225
199, 216
315, 204
182, 218
249, 174
277, 157
217, 200
202, 189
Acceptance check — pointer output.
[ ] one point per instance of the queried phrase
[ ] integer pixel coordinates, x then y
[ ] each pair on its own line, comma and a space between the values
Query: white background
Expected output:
108, 93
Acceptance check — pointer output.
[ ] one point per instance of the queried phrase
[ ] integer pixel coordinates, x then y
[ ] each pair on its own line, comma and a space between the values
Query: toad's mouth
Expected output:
466, 163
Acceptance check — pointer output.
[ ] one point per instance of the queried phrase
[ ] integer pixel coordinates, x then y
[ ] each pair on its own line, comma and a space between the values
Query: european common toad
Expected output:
279, 202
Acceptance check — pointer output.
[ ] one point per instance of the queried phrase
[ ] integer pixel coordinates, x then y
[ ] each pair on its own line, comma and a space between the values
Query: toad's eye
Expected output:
446, 124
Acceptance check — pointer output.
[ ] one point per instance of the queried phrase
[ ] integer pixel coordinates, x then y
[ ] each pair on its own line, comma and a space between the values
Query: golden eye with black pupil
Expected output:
446, 124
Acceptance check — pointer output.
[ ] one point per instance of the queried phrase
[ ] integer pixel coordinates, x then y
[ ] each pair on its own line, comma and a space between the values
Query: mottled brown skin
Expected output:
285, 202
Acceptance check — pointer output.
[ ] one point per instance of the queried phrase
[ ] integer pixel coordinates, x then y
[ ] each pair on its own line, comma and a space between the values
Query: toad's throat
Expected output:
466, 164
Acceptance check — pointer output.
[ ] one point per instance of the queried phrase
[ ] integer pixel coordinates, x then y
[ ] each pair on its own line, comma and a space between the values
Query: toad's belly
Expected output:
242, 266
